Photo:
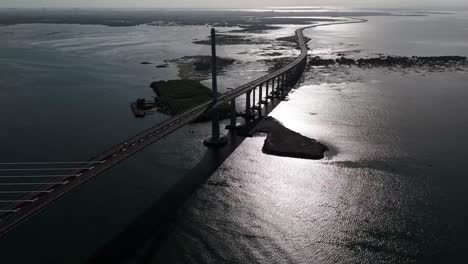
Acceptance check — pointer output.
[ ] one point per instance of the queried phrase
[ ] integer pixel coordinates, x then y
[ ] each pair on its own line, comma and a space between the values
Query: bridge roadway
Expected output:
49, 191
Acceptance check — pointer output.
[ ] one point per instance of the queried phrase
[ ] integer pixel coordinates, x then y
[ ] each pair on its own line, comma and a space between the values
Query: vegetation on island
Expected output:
177, 96
199, 67
388, 61
225, 39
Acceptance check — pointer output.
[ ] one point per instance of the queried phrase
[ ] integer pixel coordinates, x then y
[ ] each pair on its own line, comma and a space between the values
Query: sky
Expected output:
230, 3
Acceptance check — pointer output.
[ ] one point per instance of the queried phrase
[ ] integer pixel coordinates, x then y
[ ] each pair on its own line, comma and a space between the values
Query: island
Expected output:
281, 141
199, 67
177, 96
388, 61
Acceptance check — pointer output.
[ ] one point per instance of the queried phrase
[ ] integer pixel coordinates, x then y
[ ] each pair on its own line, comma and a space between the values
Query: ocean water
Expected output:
393, 187
65, 95
390, 190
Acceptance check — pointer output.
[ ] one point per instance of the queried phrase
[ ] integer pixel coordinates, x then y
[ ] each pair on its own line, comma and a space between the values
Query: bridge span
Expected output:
274, 85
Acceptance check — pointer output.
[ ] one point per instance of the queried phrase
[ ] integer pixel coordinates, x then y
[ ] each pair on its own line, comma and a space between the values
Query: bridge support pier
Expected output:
248, 108
260, 100
271, 95
253, 97
256, 106
233, 117
278, 87
282, 88
287, 81
267, 94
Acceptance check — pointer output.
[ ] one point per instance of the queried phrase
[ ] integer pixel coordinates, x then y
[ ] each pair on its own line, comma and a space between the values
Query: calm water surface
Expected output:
65, 94
393, 188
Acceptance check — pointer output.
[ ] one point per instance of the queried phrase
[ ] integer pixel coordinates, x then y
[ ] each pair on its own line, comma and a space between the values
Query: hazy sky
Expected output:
230, 3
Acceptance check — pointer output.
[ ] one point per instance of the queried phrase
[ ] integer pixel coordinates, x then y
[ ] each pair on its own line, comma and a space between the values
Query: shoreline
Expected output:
174, 17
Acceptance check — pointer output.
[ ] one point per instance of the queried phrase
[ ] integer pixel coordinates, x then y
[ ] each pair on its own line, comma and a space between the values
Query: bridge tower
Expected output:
216, 140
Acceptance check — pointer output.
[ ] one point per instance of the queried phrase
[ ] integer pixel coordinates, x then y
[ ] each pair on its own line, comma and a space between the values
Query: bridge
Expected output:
26, 203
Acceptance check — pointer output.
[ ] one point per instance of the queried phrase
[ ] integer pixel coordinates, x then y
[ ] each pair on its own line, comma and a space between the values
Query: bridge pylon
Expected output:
216, 140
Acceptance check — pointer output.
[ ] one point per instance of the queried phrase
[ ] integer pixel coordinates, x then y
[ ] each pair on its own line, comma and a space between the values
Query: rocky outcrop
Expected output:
317, 61
281, 141
293, 39
388, 61
199, 67
225, 39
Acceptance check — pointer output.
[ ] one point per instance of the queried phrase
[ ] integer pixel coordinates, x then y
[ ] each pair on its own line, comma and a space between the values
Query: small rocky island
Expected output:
225, 39
293, 39
388, 61
176, 96
199, 67
281, 141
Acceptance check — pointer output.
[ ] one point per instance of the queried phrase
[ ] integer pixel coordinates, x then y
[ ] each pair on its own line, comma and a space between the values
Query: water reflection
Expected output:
384, 197
395, 183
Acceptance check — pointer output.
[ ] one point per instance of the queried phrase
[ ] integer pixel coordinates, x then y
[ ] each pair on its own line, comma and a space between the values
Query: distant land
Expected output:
115, 18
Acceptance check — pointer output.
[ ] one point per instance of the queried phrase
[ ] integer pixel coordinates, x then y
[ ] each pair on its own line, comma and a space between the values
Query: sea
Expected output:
392, 188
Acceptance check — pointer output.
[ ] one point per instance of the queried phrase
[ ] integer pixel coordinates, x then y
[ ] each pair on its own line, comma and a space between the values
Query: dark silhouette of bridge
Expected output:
268, 88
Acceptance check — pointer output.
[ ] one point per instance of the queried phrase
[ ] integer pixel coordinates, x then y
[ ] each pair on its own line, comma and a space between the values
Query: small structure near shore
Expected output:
281, 141
143, 107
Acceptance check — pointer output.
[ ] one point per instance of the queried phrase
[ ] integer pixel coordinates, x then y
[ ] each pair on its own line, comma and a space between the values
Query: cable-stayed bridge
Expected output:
32, 186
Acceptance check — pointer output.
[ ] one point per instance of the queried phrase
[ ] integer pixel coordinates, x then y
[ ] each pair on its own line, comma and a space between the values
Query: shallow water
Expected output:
382, 195
392, 190
65, 95
433, 35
